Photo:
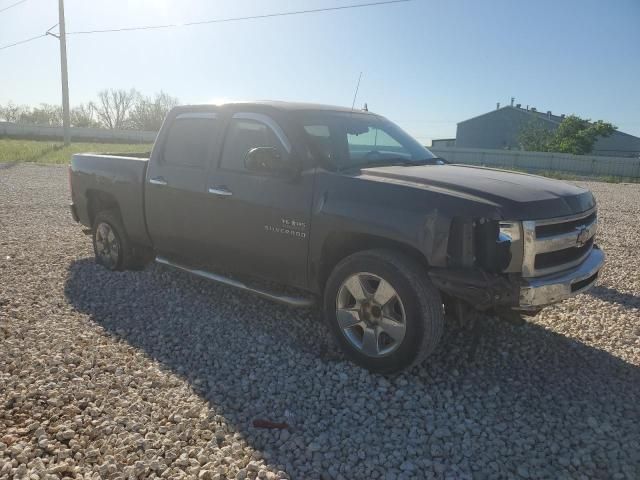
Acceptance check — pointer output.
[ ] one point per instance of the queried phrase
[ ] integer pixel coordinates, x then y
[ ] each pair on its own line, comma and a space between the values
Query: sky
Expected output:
426, 64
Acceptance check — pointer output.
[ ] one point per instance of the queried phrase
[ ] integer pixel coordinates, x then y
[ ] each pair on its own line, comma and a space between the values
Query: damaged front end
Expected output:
483, 257
519, 265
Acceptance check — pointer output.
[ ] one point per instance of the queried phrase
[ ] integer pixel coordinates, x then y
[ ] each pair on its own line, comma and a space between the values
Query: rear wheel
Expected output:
383, 310
111, 245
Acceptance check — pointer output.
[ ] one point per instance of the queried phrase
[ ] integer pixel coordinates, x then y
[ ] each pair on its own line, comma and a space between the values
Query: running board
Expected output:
286, 299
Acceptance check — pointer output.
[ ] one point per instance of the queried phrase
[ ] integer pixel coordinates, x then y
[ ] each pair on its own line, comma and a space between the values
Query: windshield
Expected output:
346, 140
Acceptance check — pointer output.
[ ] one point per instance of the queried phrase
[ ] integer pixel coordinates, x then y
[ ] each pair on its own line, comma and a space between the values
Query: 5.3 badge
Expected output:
290, 227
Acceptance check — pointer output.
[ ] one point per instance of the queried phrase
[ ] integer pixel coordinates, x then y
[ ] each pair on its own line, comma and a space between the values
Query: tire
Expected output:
111, 245
406, 326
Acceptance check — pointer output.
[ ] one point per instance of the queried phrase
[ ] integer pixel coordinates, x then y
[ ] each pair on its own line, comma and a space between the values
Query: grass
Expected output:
36, 151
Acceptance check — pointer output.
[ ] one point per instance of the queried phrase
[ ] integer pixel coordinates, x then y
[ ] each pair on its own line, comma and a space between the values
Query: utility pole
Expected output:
66, 121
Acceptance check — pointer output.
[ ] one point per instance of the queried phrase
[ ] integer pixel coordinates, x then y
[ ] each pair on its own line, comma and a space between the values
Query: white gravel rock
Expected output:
156, 374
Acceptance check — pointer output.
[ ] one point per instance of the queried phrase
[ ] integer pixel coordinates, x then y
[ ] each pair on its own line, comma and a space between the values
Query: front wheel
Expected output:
383, 310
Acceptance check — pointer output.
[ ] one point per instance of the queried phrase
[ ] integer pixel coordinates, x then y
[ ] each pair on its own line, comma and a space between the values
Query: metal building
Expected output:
500, 129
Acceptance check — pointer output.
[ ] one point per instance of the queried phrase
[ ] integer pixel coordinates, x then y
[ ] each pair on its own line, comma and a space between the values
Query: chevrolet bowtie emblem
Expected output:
583, 235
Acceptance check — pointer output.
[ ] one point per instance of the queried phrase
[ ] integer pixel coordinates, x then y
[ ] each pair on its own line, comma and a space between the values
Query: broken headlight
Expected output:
510, 237
509, 231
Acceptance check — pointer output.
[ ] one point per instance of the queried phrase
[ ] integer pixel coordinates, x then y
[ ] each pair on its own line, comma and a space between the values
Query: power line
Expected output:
12, 5
23, 41
238, 19
218, 20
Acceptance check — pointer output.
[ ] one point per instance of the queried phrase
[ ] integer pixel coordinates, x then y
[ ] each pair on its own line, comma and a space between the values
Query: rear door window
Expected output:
189, 140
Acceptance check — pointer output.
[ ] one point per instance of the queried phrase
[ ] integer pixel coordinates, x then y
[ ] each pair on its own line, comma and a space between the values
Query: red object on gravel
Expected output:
261, 423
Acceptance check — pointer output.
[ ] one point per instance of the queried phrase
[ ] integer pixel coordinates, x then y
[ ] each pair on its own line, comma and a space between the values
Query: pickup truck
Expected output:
302, 203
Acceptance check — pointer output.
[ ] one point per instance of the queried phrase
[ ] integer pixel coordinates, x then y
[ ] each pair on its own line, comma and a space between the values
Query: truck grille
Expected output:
557, 244
552, 229
559, 257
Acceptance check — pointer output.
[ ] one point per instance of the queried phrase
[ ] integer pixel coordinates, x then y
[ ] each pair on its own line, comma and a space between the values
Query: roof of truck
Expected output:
287, 106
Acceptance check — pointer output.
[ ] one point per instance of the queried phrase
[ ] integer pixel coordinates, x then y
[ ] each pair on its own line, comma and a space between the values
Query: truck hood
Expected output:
519, 196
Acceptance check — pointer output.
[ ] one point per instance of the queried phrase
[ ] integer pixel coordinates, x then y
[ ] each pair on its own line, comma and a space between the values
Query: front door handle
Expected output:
157, 181
220, 192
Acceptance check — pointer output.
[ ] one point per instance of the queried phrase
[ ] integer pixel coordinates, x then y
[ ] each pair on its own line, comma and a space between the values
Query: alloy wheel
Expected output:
107, 245
370, 314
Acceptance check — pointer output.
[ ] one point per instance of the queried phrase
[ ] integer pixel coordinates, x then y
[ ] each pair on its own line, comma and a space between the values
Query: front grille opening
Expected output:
543, 231
559, 257
583, 283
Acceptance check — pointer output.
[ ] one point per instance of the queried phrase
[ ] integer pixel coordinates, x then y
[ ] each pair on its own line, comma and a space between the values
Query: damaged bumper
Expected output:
486, 291
541, 291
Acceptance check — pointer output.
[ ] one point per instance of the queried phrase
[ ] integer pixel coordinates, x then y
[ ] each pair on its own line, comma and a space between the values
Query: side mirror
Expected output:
265, 159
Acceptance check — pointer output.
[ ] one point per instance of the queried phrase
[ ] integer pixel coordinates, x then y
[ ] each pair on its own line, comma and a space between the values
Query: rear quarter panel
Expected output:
121, 177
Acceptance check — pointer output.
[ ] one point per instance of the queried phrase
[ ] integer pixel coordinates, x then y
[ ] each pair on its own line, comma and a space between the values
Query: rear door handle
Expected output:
220, 192
157, 181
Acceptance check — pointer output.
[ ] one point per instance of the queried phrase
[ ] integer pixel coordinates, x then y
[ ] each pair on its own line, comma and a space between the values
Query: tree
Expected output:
114, 106
148, 113
574, 135
535, 136
12, 112
45, 114
84, 115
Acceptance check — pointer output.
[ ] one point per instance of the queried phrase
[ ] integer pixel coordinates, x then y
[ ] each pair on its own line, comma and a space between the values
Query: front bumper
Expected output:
538, 292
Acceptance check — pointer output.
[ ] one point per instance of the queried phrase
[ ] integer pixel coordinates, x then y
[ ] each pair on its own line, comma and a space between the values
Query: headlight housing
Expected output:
511, 232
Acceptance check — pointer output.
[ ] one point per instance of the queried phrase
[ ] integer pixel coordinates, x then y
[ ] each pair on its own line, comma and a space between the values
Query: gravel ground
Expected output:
159, 374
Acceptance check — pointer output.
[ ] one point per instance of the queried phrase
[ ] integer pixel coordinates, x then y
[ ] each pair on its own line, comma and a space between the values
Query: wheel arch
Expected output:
98, 200
339, 245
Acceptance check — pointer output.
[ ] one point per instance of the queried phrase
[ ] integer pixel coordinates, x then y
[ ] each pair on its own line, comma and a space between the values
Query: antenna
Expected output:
356, 94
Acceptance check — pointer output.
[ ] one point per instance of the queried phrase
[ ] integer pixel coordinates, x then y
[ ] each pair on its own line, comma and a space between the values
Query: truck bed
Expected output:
102, 178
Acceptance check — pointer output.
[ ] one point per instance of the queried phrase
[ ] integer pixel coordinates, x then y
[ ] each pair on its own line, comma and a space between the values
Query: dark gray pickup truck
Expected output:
297, 202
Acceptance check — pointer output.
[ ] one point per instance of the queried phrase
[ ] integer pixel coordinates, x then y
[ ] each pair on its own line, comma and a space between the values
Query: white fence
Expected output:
77, 133
587, 165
